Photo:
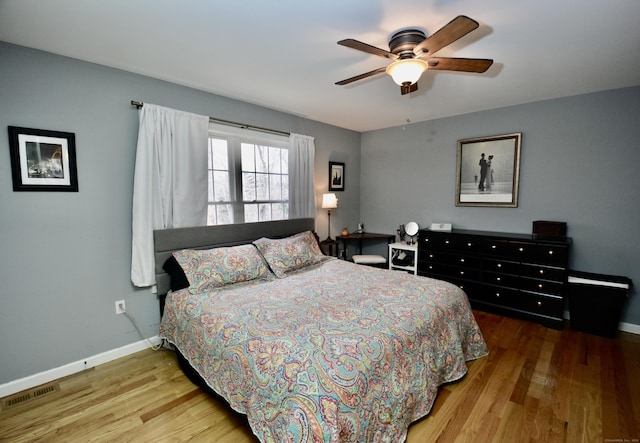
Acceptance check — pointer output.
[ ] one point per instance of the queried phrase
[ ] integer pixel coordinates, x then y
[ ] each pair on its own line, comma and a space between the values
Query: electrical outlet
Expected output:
120, 307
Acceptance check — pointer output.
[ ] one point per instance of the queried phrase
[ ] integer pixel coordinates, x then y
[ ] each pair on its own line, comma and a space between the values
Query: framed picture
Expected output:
336, 176
43, 160
488, 171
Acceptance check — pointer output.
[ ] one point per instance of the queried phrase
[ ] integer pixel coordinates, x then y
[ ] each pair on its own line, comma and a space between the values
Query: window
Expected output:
248, 177
220, 210
265, 182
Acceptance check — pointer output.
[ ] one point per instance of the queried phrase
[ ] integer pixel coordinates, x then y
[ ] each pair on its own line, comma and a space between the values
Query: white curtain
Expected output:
302, 200
170, 181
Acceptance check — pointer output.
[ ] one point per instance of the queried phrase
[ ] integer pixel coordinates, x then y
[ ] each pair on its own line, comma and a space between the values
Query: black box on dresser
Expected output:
549, 229
519, 275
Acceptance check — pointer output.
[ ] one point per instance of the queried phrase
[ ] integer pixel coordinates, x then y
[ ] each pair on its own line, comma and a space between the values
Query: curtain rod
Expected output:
139, 105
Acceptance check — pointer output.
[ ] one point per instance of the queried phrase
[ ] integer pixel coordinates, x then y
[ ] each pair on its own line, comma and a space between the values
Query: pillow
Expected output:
177, 278
209, 269
291, 253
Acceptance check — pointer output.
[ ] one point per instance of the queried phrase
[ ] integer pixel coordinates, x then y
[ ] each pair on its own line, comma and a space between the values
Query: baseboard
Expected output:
32, 381
631, 328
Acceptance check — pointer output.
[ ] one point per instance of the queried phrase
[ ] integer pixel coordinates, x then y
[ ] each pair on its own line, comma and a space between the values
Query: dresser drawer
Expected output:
469, 261
496, 247
526, 252
542, 286
541, 305
543, 272
436, 256
495, 295
495, 278
549, 255
469, 287
521, 301
465, 243
438, 241
501, 266
434, 268
451, 271
468, 273
552, 255
449, 242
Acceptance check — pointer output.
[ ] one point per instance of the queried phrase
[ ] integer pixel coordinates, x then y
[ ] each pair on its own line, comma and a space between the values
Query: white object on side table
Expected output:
396, 250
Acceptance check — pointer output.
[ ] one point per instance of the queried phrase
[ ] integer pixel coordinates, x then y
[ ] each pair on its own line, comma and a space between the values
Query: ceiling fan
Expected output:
411, 51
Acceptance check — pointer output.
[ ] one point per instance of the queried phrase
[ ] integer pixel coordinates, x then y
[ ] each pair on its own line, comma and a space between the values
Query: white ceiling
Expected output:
282, 54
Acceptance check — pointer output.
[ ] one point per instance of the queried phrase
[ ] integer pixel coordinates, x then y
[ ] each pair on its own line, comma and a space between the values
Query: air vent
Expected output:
32, 394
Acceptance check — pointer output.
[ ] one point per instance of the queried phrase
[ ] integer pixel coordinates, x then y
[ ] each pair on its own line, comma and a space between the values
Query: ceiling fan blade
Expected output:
408, 88
449, 33
355, 44
459, 64
361, 76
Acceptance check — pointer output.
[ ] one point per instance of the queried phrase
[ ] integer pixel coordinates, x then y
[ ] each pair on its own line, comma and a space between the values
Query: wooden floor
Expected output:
537, 385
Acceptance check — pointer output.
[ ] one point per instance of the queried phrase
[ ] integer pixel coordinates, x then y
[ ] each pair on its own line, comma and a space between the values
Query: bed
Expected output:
310, 348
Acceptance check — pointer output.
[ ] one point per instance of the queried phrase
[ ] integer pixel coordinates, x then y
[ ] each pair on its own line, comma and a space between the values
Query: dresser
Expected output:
519, 275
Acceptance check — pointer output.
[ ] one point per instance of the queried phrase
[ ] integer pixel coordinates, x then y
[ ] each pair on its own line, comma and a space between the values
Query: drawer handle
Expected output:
430, 267
550, 252
446, 242
469, 244
498, 279
521, 249
430, 255
497, 294
461, 272
540, 285
541, 271
493, 246
539, 303
499, 265
462, 260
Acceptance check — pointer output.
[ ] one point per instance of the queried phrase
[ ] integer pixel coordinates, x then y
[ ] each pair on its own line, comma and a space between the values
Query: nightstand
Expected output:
329, 247
403, 256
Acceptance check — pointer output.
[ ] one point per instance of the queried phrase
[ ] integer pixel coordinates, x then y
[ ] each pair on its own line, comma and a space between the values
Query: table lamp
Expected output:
329, 202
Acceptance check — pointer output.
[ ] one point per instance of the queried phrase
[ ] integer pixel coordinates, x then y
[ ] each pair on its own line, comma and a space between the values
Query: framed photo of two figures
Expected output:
487, 172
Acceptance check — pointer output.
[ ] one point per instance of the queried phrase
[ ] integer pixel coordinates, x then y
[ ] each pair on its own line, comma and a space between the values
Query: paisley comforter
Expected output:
336, 352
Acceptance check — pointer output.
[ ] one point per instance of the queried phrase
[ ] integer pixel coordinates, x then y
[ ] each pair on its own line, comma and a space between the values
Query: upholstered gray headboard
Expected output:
167, 241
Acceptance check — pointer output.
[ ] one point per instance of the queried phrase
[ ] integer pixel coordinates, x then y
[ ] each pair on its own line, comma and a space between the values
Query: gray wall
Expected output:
66, 256
580, 164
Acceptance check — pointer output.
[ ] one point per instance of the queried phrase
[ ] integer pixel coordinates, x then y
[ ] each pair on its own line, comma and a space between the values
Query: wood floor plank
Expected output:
631, 358
459, 412
169, 405
537, 385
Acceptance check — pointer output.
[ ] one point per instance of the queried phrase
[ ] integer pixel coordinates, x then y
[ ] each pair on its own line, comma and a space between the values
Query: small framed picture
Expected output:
336, 176
43, 160
488, 171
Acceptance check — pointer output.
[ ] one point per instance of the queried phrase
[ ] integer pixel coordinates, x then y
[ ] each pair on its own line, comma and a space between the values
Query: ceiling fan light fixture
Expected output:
407, 71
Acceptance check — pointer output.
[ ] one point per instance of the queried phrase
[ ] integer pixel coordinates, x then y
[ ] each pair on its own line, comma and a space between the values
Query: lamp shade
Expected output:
329, 201
407, 70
